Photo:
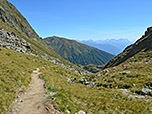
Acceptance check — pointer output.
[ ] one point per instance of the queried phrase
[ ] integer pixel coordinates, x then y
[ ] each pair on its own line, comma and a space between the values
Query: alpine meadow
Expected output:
55, 74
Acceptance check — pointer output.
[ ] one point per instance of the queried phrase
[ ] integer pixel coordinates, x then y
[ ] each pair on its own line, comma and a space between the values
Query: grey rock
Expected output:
12, 41
99, 75
145, 90
81, 112
123, 73
110, 86
82, 80
125, 91
134, 84
89, 83
114, 96
68, 80
136, 96
68, 112
116, 87
74, 80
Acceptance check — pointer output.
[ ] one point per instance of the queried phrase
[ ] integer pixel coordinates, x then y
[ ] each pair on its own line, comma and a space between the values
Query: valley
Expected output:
61, 76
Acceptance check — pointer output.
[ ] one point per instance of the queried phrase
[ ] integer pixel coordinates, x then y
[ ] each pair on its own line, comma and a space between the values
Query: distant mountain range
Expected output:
144, 44
113, 46
76, 52
123, 85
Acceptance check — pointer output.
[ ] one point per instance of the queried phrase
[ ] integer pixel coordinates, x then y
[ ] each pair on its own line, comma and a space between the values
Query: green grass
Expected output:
15, 70
76, 52
93, 68
15, 75
38, 48
17, 18
75, 97
94, 100
140, 73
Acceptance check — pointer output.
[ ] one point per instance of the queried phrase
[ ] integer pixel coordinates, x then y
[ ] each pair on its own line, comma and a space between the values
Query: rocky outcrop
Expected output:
145, 42
12, 41
13, 18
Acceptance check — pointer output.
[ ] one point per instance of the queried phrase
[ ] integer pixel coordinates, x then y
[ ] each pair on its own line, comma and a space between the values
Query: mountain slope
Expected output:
104, 94
126, 88
77, 53
145, 42
12, 17
17, 34
113, 46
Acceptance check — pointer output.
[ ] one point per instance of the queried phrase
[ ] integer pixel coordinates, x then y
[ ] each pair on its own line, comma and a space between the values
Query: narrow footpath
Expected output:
32, 100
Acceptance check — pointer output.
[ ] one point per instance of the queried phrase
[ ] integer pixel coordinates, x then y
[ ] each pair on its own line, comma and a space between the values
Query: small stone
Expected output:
74, 80
68, 80
145, 90
110, 86
53, 99
134, 84
98, 75
87, 83
82, 80
146, 100
80, 112
68, 111
136, 96
114, 96
116, 87
123, 73
18, 96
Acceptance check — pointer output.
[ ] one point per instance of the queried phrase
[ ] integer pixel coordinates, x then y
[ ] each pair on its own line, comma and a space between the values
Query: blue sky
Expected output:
87, 19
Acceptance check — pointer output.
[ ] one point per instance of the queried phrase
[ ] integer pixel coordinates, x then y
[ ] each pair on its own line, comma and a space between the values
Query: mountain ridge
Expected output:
145, 42
11, 16
113, 46
13, 22
76, 52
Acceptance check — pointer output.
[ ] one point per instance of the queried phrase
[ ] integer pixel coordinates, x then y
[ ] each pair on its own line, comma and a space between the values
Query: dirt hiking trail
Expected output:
32, 100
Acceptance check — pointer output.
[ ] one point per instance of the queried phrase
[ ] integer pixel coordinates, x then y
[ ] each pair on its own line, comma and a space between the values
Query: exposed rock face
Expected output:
12, 41
12, 17
23, 38
145, 42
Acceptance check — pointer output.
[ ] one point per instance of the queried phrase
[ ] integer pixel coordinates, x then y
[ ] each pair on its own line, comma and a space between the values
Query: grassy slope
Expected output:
140, 73
93, 100
16, 20
39, 48
15, 70
15, 74
77, 53
145, 42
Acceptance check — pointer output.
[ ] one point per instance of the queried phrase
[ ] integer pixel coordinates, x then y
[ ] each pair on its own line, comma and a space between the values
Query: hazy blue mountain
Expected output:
113, 46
